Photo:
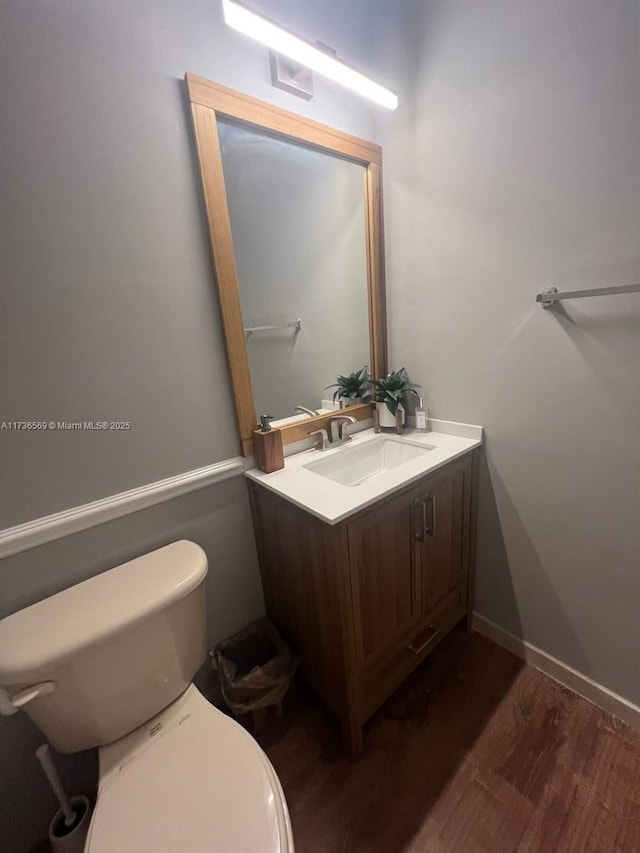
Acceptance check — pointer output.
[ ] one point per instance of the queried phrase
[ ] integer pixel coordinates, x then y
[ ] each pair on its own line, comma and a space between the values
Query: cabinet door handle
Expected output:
420, 524
417, 650
430, 525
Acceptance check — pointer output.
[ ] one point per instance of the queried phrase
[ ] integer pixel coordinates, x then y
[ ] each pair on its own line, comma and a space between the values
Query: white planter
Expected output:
345, 402
385, 416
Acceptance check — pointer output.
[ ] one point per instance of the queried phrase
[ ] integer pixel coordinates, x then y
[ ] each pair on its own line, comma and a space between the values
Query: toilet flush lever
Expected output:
11, 704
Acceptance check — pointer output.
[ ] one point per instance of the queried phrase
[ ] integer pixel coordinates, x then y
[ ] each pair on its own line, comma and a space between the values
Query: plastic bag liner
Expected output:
255, 667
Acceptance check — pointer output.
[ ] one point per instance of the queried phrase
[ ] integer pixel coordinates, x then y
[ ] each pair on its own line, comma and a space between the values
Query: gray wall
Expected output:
107, 301
514, 163
107, 305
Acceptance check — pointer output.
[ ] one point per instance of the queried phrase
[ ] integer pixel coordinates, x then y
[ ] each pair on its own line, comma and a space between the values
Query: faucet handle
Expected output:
337, 425
322, 441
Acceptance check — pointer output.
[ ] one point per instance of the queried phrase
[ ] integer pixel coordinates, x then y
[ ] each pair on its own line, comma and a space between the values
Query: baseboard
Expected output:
560, 672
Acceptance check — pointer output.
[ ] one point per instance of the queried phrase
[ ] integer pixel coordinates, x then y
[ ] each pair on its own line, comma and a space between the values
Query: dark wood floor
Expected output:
475, 753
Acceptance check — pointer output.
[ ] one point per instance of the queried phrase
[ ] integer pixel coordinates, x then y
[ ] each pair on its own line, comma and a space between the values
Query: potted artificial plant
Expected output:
351, 389
389, 394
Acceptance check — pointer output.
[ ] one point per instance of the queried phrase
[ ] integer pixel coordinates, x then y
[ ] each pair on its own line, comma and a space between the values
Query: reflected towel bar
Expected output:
297, 325
550, 295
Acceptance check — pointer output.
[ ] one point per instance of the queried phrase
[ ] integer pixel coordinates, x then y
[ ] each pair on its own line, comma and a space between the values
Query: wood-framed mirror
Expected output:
245, 201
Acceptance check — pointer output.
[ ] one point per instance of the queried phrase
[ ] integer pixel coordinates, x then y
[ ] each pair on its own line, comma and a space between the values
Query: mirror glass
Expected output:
300, 243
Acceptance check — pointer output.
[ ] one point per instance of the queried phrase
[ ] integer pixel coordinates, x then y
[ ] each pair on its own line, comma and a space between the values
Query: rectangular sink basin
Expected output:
352, 466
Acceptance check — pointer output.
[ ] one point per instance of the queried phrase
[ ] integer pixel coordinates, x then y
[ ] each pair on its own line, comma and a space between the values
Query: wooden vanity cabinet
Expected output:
364, 601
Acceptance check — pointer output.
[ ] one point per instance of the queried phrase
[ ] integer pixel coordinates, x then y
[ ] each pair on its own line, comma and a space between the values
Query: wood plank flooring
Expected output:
475, 753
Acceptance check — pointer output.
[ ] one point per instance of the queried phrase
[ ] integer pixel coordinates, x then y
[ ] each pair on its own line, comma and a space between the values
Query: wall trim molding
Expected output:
560, 672
22, 537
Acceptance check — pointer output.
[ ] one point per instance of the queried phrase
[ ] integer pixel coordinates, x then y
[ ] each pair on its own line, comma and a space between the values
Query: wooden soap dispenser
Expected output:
267, 446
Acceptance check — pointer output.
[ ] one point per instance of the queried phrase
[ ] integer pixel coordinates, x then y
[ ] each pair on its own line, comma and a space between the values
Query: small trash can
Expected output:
255, 668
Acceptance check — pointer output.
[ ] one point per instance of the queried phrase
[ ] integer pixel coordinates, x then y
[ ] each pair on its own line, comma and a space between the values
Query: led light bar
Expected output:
261, 29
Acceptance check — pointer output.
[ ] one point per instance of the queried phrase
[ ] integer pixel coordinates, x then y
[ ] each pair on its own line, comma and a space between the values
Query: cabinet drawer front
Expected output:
380, 680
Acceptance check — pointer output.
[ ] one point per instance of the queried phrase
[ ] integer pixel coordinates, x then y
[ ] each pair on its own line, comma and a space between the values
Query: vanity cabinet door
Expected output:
445, 503
385, 561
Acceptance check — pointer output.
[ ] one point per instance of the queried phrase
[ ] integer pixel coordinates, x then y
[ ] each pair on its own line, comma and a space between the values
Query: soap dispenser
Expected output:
267, 446
422, 420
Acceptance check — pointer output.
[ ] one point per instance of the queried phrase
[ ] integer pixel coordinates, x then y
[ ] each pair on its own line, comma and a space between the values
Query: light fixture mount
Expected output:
290, 76
302, 52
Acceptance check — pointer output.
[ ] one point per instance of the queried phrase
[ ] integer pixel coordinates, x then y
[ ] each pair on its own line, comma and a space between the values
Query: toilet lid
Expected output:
200, 785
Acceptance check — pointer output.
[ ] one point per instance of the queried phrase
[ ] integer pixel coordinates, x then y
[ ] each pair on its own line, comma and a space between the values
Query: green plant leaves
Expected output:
351, 386
393, 388
389, 390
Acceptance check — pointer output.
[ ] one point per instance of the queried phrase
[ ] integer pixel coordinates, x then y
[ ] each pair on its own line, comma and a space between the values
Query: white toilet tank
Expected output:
118, 647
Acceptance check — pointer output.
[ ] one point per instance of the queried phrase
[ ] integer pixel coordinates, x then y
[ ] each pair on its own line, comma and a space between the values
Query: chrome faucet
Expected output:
304, 411
337, 424
335, 435
323, 438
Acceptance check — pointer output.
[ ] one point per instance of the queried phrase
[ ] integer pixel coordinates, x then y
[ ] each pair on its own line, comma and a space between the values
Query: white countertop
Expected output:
332, 502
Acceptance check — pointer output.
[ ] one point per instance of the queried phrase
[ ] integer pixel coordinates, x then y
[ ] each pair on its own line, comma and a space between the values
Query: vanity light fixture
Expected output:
266, 32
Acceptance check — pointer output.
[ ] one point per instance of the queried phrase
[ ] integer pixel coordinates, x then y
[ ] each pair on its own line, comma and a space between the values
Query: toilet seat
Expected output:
191, 780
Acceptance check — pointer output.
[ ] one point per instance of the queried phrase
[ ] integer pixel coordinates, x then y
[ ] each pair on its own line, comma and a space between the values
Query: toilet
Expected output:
109, 663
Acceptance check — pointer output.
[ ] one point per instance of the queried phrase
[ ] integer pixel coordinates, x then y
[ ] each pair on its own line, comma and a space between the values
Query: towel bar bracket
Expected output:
550, 295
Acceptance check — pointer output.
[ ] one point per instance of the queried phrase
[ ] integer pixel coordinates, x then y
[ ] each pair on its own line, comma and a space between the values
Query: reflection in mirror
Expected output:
300, 250
300, 243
